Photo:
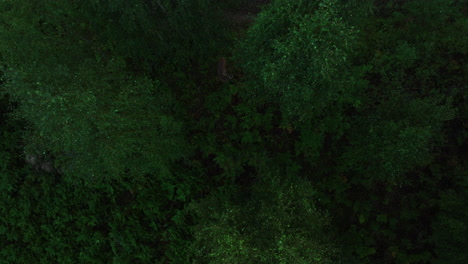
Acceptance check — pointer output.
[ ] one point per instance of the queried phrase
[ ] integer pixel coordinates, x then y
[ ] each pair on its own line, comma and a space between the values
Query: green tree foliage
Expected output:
451, 226
340, 139
396, 134
399, 133
45, 219
398, 130
366, 101
93, 91
278, 223
84, 73
297, 53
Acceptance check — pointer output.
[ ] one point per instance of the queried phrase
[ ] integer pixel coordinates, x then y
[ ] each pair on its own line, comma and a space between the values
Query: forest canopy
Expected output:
341, 137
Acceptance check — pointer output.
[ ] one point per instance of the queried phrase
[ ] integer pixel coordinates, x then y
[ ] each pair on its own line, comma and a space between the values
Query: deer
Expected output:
223, 76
